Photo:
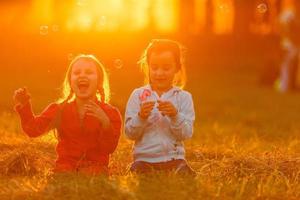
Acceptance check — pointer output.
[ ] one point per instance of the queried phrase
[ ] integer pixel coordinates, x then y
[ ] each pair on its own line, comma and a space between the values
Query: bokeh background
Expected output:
232, 59
246, 142
39, 38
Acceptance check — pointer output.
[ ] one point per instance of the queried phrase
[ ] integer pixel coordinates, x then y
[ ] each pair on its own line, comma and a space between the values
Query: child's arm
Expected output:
110, 137
35, 126
182, 124
134, 124
32, 125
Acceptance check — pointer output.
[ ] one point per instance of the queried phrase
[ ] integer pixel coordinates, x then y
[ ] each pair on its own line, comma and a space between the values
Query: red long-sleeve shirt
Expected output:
85, 146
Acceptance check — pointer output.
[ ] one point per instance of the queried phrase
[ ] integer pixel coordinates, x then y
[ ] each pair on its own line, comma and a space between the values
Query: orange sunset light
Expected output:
114, 15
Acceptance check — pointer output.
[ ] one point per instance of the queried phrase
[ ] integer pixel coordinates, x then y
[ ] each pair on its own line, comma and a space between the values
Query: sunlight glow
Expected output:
223, 16
122, 15
42, 11
88, 15
200, 15
165, 15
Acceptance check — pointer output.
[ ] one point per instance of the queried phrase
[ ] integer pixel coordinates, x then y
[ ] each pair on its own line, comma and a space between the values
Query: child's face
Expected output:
162, 69
84, 79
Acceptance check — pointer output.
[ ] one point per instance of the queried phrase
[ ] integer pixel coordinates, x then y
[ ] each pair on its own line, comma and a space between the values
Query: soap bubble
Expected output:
262, 8
224, 8
71, 56
118, 63
44, 30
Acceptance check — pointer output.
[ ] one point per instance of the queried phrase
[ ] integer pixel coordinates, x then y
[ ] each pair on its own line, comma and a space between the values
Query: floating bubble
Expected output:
262, 8
118, 63
55, 28
44, 30
70, 56
224, 7
48, 71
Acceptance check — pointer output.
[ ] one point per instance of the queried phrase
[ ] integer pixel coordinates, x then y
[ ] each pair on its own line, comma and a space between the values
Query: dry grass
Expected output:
246, 146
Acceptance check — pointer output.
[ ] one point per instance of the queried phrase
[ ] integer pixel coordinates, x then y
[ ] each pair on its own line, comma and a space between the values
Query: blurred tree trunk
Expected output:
209, 17
244, 10
186, 15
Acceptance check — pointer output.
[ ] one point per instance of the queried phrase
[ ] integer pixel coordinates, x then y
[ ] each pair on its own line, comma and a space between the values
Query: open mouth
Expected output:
83, 85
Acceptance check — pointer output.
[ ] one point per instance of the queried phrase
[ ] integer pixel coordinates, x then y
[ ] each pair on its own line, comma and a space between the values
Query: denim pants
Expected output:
179, 166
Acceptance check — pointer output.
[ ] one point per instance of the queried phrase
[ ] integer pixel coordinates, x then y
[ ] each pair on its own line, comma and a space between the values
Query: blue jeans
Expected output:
179, 166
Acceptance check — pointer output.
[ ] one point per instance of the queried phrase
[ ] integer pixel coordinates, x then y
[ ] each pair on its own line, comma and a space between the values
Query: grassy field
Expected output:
246, 145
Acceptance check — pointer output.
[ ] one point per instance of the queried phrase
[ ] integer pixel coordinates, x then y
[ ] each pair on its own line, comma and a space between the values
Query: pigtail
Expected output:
102, 94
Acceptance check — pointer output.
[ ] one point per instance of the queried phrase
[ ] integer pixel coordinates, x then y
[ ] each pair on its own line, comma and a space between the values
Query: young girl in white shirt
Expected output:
160, 115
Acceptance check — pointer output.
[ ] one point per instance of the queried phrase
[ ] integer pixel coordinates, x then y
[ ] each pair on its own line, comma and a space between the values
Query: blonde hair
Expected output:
103, 90
163, 45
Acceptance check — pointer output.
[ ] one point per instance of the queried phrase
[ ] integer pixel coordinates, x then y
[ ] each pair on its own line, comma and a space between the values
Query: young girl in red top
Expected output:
88, 127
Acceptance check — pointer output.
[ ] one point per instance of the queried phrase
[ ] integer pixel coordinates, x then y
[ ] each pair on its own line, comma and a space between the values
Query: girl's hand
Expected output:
146, 108
93, 109
21, 96
167, 108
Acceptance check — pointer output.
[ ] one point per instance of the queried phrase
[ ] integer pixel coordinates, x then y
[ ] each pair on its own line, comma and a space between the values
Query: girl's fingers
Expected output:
165, 108
168, 110
21, 96
97, 111
164, 113
168, 113
94, 109
23, 90
19, 91
146, 111
90, 113
162, 106
162, 102
91, 102
91, 105
148, 108
148, 103
91, 109
87, 110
